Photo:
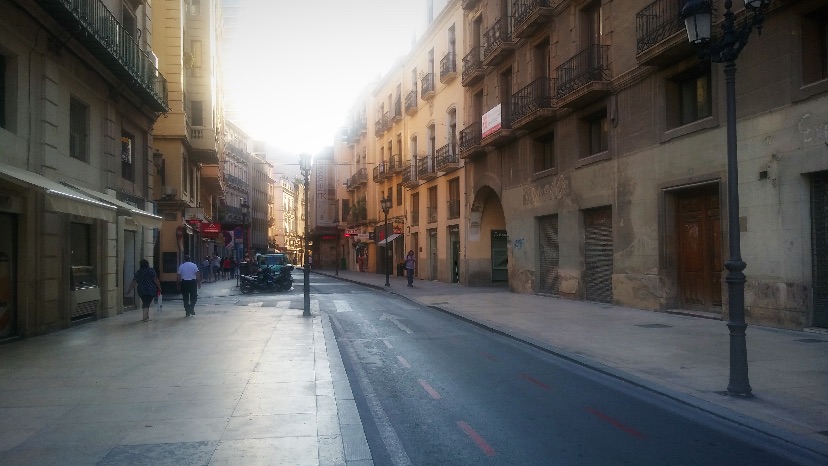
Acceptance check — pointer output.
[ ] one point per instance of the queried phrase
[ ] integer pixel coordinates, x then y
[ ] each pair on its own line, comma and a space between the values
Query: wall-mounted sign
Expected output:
491, 121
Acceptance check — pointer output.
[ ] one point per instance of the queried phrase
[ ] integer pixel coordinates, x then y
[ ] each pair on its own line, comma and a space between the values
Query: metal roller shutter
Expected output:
598, 255
549, 254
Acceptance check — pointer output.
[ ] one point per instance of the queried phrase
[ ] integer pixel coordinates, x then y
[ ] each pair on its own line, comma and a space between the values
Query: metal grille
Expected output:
86, 309
598, 255
549, 254
819, 246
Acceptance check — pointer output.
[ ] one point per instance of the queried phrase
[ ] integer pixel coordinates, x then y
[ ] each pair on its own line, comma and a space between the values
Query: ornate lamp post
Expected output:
386, 206
697, 16
305, 165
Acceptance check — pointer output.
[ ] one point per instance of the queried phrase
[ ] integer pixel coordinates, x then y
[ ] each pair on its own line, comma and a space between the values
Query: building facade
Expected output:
79, 92
595, 157
402, 146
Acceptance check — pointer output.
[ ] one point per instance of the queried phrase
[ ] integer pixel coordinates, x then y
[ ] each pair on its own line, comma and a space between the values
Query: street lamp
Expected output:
386, 206
305, 165
697, 15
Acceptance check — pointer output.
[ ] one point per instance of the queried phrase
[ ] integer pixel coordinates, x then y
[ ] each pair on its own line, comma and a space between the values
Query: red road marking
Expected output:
536, 381
403, 362
431, 391
615, 423
481, 443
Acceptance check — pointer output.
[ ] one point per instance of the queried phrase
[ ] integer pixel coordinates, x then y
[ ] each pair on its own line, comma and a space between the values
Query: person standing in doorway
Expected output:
189, 281
410, 263
148, 286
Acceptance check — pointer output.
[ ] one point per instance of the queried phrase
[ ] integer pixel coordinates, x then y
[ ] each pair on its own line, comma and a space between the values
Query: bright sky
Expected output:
307, 61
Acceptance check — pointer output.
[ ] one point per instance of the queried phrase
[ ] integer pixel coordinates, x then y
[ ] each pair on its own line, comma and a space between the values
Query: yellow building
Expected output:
79, 90
188, 138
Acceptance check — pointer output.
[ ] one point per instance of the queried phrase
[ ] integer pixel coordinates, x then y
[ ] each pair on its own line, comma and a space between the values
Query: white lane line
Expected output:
403, 362
343, 306
387, 344
256, 304
283, 304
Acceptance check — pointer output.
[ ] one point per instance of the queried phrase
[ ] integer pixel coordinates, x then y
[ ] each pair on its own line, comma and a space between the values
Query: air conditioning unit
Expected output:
170, 191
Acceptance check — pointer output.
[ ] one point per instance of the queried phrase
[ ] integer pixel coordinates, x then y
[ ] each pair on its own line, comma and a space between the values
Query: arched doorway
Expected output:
486, 250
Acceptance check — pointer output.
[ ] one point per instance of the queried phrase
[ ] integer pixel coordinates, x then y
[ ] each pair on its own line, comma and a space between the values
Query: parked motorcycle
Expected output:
268, 279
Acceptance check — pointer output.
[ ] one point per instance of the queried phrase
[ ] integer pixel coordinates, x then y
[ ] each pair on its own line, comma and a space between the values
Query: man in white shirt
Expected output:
189, 281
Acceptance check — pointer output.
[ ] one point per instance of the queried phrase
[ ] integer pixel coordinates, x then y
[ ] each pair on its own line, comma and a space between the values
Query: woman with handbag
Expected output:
148, 286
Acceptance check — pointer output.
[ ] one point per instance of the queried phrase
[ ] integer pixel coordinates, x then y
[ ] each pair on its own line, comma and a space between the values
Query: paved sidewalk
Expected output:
231, 385
686, 358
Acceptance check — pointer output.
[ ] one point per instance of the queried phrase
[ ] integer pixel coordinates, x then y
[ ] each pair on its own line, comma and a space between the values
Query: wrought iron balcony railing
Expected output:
361, 176
409, 175
425, 167
379, 127
454, 208
498, 34
447, 156
396, 111
448, 67
537, 95
656, 22
470, 136
411, 102
589, 65
97, 29
396, 163
525, 9
427, 84
472, 63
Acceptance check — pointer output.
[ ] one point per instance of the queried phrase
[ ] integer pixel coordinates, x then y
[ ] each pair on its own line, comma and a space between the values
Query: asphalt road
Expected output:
433, 389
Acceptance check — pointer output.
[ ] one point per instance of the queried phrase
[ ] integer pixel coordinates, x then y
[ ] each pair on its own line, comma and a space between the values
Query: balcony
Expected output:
386, 119
473, 69
379, 127
351, 183
425, 168
361, 176
379, 172
396, 163
427, 83
583, 78
448, 67
396, 112
411, 102
499, 41
431, 214
409, 175
447, 158
93, 25
469, 4
454, 208
470, 137
204, 145
532, 15
533, 106
660, 34
361, 124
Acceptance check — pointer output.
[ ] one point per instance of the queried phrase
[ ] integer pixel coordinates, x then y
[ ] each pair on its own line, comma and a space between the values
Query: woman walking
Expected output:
148, 286
410, 263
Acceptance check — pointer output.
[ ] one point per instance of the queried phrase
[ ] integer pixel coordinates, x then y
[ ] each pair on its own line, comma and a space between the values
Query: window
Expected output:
195, 7
127, 156
197, 52
432, 204
454, 198
595, 134
346, 209
415, 209
391, 195
78, 130
815, 46
688, 97
544, 153
505, 97
399, 194
129, 21
197, 113
591, 23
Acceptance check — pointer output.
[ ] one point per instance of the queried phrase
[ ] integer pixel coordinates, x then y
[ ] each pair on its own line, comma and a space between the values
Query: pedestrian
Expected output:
225, 265
189, 281
205, 269
310, 262
216, 267
410, 262
234, 266
148, 286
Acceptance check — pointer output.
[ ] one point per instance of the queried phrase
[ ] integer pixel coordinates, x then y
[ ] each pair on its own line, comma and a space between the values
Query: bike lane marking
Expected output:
476, 438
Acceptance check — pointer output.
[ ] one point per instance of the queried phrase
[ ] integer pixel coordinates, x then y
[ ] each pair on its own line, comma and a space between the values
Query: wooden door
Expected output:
699, 249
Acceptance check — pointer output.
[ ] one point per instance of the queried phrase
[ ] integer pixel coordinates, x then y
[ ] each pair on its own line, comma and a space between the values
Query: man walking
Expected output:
189, 281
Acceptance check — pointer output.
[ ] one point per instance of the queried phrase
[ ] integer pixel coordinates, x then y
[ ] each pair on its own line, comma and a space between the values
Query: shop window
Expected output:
78, 130
688, 97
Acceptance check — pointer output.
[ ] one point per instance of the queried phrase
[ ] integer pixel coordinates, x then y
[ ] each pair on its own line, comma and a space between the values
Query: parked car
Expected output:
274, 261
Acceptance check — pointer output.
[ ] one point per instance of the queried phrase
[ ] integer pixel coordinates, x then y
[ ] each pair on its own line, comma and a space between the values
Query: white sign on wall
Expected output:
491, 121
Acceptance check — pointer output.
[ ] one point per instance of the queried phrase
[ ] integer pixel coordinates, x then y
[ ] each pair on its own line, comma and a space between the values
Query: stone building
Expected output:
79, 92
594, 146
